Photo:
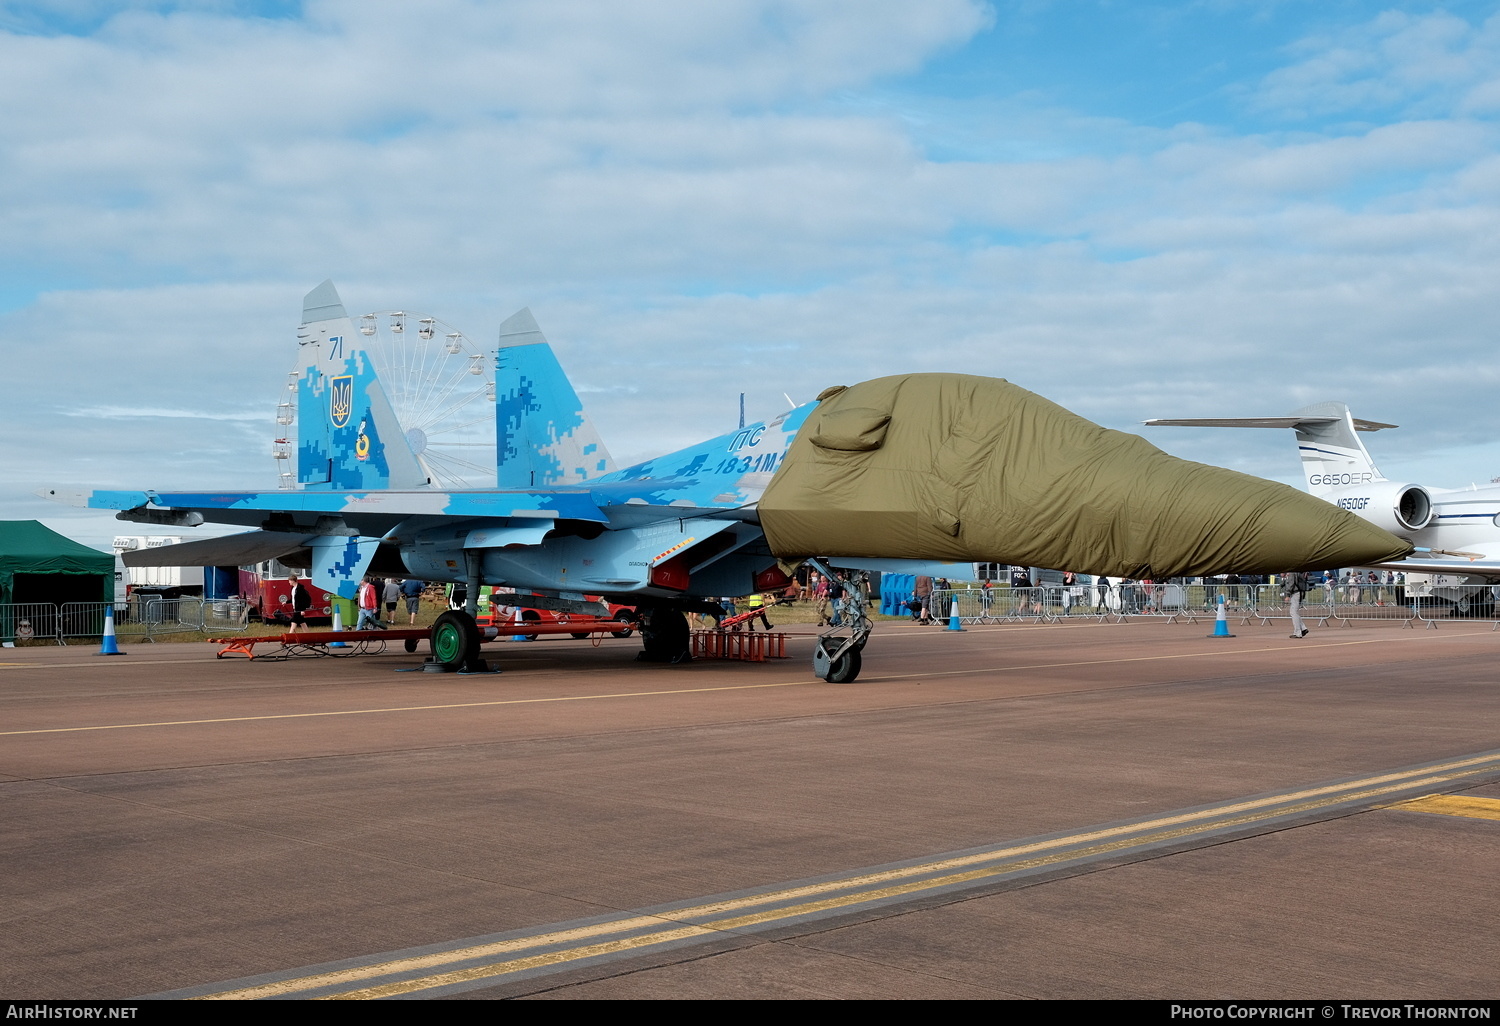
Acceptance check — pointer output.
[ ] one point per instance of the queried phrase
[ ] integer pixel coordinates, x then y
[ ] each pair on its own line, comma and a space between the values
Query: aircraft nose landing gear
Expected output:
836, 654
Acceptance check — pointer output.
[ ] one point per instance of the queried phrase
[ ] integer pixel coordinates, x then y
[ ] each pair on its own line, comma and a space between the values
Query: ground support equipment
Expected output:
745, 646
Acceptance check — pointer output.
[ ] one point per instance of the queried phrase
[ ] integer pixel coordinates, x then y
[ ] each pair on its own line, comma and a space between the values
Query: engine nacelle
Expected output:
1398, 508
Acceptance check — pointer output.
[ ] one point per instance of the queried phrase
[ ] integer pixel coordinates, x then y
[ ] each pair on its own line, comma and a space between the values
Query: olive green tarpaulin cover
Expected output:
956, 467
26, 547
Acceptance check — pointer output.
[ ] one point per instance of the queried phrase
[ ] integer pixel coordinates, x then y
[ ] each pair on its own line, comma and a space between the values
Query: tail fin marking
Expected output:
542, 434
348, 436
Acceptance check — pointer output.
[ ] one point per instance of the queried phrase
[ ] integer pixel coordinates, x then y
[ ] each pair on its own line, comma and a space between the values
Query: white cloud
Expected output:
1416, 65
670, 189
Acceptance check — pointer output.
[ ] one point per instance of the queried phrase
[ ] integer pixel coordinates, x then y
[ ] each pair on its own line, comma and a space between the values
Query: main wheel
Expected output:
665, 637
530, 616
845, 668
455, 640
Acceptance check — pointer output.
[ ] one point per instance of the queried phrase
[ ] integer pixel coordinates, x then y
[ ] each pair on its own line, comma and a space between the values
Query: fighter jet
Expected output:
890, 474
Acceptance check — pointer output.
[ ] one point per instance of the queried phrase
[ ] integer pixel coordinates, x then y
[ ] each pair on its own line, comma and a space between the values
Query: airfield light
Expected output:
367, 324
398, 322
426, 331
455, 342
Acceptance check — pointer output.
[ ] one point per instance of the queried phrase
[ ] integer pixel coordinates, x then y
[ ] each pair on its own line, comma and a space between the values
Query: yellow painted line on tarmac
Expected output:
1454, 805
1216, 653
584, 942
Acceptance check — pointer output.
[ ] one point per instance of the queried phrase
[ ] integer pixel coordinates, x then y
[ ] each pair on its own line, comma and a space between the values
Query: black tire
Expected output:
1473, 606
665, 637
845, 668
454, 640
410, 644
530, 616
623, 615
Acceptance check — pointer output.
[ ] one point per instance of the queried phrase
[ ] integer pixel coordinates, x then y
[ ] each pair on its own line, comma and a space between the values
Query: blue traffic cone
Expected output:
1221, 623
953, 621
109, 647
338, 625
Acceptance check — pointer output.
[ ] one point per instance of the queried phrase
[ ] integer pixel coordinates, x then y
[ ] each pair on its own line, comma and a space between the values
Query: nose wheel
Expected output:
837, 660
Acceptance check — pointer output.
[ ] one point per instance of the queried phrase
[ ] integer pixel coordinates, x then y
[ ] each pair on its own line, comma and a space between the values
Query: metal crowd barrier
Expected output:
1268, 604
998, 605
1167, 600
28, 621
1346, 603
225, 615
144, 617
1434, 604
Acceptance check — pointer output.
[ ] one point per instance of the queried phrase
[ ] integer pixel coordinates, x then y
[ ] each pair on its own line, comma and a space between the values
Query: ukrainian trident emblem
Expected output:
341, 400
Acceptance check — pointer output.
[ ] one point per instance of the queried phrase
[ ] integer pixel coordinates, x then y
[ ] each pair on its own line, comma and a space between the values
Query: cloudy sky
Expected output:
1220, 207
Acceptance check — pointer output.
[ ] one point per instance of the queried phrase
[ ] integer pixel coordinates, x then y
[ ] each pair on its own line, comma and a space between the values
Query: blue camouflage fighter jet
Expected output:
666, 537
892, 473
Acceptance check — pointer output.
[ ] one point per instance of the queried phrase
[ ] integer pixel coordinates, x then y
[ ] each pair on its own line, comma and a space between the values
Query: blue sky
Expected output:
1135, 210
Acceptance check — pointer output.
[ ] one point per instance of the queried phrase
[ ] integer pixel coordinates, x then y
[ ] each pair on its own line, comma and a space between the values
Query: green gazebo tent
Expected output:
40, 565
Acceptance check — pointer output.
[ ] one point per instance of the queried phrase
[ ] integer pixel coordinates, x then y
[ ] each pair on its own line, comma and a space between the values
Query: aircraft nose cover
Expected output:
956, 467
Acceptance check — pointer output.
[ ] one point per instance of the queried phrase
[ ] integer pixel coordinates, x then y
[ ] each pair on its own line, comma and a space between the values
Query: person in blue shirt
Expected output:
411, 590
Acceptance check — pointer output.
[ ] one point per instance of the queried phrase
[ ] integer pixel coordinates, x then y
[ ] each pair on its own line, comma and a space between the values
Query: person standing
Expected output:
836, 599
369, 605
301, 603
922, 591
412, 589
392, 595
1294, 588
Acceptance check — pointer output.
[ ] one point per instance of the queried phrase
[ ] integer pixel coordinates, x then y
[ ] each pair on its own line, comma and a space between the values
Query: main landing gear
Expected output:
665, 637
455, 643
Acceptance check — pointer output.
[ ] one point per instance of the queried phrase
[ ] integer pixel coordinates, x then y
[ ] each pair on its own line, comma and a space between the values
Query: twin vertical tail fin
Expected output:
348, 436
1332, 455
543, 437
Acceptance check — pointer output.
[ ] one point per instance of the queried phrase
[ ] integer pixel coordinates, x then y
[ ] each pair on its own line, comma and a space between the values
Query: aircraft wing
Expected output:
1267, 422
371, 513
230, 550
1484, 564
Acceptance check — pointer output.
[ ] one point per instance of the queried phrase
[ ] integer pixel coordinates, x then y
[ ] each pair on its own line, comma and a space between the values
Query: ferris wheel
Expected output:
441, 387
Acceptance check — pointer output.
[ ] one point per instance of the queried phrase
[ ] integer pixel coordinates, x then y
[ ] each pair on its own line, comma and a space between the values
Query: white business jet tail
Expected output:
1333, 457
